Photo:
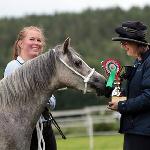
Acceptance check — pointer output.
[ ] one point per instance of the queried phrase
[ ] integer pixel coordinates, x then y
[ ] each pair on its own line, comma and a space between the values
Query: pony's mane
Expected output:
33, 76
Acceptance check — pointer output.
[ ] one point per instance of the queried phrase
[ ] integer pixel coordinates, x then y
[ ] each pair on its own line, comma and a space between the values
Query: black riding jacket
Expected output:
135, 111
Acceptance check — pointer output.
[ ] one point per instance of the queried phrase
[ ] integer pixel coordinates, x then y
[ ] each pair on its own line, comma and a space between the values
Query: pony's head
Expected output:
73, 72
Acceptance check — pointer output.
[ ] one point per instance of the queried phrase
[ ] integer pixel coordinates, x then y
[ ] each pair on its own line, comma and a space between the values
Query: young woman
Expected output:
135, 111
29, 44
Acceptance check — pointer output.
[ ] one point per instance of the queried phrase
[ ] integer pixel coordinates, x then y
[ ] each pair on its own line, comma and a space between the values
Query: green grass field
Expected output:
106, 142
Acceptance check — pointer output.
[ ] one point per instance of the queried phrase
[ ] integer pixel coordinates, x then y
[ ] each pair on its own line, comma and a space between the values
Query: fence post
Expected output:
90, 128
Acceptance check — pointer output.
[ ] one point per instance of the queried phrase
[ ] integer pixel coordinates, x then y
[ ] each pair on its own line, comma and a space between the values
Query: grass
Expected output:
105, 142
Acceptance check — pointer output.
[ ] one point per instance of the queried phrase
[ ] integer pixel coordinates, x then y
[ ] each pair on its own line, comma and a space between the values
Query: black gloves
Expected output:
108, 91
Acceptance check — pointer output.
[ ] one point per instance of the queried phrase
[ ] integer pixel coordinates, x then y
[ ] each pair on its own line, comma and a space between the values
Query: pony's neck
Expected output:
43, 69
34, 77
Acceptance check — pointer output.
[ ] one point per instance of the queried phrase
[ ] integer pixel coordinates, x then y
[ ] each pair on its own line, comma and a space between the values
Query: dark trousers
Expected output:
136, 142
49, 138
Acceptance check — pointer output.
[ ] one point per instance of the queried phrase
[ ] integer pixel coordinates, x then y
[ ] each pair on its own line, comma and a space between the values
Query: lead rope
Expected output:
39, 129
56, 126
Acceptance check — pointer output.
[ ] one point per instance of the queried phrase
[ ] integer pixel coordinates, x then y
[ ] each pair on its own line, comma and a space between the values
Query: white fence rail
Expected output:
86, 118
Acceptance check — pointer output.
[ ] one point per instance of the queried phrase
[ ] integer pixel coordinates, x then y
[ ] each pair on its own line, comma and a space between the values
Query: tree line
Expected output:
90, 32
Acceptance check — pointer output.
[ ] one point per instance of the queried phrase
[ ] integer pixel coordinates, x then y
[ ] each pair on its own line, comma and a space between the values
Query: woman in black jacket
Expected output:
135, 111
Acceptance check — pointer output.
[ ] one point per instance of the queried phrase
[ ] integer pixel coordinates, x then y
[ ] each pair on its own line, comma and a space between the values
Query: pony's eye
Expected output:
78, 63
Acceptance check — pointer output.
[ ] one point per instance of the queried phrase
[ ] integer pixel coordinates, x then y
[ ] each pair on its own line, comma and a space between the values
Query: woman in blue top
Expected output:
30, 44
135, 111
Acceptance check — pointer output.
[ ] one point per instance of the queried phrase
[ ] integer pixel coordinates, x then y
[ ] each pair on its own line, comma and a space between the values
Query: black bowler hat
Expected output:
134, 31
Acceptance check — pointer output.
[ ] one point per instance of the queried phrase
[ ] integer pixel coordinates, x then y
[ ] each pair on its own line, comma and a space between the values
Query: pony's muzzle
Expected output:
98, 83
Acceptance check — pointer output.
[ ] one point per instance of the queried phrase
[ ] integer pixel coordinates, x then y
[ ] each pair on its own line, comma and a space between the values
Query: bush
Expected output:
106, 127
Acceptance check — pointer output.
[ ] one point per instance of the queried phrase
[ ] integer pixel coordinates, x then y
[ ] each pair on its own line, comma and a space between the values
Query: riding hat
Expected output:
134, 31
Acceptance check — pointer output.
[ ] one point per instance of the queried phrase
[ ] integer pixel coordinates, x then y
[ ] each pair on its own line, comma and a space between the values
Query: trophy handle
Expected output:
116, 93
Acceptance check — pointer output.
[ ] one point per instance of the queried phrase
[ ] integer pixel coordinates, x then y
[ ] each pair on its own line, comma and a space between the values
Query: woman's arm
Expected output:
51, 103
142, 102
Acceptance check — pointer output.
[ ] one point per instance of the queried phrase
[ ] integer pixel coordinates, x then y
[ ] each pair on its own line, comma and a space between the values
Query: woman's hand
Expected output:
113, 106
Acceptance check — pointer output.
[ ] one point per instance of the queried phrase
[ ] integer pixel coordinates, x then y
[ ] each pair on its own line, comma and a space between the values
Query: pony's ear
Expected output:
66, 44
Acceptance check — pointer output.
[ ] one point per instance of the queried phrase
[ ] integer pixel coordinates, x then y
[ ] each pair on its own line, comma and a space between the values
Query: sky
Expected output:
19, 8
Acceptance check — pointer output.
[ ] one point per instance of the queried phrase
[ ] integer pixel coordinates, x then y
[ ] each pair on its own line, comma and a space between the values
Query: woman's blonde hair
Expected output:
21, 36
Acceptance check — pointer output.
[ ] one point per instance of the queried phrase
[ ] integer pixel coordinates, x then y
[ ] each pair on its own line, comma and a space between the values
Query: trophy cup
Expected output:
112, 69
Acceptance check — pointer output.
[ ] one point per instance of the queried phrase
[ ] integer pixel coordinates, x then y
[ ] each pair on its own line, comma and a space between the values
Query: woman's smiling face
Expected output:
31, 45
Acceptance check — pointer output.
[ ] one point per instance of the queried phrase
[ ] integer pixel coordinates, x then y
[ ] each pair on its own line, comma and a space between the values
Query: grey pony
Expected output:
24, 94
